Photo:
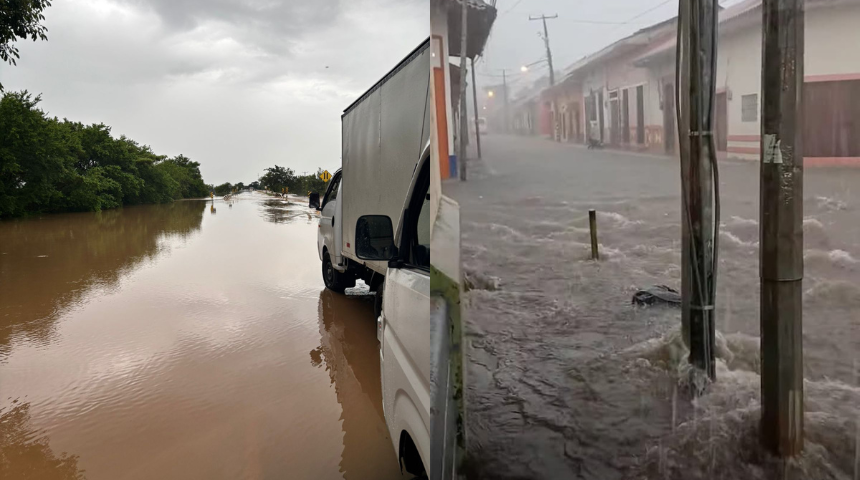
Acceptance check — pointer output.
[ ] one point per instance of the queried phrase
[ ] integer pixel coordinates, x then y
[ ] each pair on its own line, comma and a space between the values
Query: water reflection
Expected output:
288, 211
350, 353
47, 265
25, 453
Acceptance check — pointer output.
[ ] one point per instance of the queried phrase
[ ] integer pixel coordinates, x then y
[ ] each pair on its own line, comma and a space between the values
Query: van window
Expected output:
423, 233
418, 229
332, 191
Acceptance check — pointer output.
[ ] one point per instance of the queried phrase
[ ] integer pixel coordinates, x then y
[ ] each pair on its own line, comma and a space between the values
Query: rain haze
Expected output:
582, 28
582, 358
235, 85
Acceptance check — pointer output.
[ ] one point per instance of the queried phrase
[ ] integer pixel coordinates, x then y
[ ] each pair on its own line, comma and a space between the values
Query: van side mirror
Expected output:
314, 201
374, 238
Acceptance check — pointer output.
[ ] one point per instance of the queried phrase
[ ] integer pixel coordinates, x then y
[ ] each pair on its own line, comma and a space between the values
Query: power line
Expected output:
544, 18
509, 10
596, 22
646, 12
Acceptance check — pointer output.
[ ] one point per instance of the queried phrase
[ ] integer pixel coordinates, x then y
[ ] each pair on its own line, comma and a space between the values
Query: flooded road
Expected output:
184, 341
567, 379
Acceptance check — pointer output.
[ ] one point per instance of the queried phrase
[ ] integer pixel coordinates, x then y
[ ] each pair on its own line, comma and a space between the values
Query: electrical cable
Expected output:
705, 116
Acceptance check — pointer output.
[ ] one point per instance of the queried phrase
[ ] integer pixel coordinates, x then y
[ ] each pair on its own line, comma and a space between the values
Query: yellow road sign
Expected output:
325, 176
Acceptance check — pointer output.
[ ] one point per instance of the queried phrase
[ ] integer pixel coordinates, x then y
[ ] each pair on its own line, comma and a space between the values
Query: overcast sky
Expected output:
583, 27
238, 85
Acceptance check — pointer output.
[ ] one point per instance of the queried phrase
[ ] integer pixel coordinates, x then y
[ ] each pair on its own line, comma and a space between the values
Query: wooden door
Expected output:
625, 116
601, 122
669, 118
722, 126
831, 119
640, 115
614, 122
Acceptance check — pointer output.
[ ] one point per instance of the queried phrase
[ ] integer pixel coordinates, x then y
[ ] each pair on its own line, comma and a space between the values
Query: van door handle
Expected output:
332, 220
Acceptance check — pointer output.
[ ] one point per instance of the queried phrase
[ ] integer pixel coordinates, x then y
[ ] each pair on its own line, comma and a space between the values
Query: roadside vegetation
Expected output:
277, 178
49, 165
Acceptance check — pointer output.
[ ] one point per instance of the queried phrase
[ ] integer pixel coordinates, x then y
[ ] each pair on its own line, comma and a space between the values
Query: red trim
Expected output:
744, 150
442, 146
832, 161
812, 162
744, 138
839, 77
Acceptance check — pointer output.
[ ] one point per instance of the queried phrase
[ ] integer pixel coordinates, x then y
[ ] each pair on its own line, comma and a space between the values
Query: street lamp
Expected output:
525, 68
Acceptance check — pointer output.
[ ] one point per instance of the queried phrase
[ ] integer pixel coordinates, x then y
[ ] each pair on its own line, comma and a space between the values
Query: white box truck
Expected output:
375, 225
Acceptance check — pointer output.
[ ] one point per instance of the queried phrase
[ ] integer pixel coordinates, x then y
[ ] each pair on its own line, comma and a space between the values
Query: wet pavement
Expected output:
191, 340
567, 379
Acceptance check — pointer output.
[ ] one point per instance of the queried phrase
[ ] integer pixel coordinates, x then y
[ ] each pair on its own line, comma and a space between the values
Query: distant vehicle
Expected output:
375, 225
482, 125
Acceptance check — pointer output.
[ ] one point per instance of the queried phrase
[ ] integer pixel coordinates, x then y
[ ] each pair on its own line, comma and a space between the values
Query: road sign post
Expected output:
325, 176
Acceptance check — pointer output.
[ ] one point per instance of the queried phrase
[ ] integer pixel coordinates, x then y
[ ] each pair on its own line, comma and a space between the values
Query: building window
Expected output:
749, 108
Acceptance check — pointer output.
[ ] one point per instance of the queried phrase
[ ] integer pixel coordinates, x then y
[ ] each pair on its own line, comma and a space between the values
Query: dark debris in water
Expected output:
473, 280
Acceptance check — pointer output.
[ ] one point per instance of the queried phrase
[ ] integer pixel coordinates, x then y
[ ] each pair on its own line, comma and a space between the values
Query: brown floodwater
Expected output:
184, 341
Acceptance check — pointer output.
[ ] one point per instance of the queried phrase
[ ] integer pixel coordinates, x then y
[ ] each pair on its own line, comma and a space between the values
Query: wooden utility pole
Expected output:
697, 53
544, 18
475, 104
464, 114
781, 227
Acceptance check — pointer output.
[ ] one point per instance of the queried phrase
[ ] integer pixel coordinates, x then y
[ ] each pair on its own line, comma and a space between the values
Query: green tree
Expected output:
33, 155
223, 189
187, 174
20, 19
277, 178
48, 165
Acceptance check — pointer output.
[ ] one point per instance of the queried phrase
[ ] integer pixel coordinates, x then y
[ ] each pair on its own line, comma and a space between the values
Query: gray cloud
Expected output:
237, 85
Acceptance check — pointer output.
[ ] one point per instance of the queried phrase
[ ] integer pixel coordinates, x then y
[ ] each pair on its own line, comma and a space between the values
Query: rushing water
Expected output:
192, 340
567, 379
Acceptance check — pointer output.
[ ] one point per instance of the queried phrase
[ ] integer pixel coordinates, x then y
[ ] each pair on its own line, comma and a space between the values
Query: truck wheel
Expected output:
334, 280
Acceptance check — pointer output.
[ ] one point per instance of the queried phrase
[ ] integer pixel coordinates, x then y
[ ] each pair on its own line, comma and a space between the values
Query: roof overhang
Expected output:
479, 17
738, 17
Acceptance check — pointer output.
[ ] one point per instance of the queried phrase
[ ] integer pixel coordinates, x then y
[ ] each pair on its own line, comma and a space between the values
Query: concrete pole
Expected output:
543, 18
464, 115
475, 104
781, 227
696, 98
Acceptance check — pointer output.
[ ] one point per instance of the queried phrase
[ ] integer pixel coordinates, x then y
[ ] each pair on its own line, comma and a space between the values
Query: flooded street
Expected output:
183, 341
568, 379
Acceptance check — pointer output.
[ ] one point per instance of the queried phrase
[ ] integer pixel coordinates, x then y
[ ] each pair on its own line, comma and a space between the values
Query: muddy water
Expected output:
569, 380
184, 341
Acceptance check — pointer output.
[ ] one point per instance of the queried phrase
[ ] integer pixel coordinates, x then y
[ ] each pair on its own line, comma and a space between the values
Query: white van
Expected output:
403, 327
384, 133
375, 225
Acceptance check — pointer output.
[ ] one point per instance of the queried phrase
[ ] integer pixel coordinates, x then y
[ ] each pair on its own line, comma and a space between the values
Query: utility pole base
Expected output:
782, 368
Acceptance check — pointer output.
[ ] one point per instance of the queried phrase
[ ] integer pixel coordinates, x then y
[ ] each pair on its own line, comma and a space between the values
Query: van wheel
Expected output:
410, 460
334, 280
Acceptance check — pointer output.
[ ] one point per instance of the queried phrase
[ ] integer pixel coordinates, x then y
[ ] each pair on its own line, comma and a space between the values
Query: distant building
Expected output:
624, 94
445, 28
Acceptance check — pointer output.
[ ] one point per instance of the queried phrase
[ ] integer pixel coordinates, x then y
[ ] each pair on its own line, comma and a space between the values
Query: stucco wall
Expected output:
832, 48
